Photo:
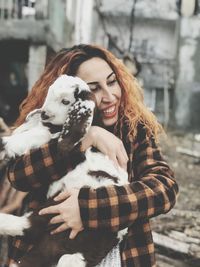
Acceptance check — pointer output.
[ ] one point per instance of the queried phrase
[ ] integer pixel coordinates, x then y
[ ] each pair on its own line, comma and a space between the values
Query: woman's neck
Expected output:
110, 128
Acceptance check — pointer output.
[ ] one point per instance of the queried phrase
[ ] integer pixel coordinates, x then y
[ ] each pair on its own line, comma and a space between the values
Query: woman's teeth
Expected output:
109, 110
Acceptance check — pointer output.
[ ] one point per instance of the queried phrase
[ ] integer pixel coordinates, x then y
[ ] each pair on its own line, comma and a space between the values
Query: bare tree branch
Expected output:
132, 22
103, 22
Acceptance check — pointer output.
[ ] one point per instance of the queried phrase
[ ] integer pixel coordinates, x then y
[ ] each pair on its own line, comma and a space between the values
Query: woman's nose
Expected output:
108, 95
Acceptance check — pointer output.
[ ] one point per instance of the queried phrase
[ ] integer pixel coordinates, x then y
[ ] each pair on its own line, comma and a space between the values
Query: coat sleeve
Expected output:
152, 191
38, 167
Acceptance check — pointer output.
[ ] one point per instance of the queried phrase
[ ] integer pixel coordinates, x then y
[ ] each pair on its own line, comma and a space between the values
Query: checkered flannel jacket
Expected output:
152, 191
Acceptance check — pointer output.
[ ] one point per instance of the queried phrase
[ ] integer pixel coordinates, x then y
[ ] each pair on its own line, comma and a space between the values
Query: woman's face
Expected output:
102, 81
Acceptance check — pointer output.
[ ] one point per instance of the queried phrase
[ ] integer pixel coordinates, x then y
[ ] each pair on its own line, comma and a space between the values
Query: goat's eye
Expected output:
65, 102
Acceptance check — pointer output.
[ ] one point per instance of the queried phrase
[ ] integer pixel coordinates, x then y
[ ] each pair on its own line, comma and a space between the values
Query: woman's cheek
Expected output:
98, 100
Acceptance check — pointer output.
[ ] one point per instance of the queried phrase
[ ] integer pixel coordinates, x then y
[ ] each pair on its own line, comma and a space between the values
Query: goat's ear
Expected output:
83, 95
35, 112
76, 126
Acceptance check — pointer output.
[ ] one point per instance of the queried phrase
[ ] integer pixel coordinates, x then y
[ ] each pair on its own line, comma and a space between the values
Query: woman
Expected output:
127, 132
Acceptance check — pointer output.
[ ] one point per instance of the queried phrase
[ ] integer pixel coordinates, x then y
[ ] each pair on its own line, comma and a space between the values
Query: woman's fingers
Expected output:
122, 162
74, 233
114, 159
50, 210
55, 208
119, 157
67, 212
62, 196
64, 227
123, 150
122, 158
60, 229
57, 219
110, 145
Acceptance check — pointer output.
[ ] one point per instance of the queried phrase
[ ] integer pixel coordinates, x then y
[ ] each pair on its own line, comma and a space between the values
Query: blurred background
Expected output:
159, 41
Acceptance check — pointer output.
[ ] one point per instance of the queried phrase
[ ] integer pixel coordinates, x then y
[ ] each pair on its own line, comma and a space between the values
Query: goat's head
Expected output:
69, 103
63, 94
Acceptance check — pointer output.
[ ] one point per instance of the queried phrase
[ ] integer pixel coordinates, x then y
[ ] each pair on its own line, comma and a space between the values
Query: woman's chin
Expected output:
109, 121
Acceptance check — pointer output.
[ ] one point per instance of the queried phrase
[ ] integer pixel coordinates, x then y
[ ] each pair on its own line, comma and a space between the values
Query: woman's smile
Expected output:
110, 111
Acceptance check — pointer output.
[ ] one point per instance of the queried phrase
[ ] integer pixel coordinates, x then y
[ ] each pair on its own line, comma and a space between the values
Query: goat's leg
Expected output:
31, 225
13, 225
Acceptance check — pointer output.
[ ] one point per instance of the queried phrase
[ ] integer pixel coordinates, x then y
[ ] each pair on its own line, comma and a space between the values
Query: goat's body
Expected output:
93, 169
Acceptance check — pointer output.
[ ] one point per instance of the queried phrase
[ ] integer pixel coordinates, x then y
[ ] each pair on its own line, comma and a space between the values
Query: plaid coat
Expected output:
152, 191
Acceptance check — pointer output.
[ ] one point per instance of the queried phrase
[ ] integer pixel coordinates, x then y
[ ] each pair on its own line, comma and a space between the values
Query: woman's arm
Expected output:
152, 191
39, 167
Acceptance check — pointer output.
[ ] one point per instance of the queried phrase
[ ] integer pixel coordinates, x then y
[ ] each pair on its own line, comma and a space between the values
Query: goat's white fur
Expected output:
63, 89
33, 134
71, 260
92, 163
13, 225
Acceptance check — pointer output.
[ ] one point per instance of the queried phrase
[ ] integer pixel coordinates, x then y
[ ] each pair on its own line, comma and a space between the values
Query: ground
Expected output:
187, 169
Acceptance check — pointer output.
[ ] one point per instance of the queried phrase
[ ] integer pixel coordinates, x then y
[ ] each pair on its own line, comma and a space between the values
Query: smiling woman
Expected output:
127, 132
102, 81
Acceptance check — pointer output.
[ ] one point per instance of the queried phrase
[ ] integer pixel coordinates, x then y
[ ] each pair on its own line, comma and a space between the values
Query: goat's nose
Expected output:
44, 116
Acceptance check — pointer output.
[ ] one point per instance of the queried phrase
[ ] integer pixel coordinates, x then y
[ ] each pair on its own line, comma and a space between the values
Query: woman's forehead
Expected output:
94, 70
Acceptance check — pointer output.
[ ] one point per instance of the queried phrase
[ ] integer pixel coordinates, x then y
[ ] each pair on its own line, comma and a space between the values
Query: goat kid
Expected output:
67, 114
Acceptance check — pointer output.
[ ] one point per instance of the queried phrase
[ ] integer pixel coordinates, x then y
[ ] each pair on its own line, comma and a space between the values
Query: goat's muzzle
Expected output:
44, 116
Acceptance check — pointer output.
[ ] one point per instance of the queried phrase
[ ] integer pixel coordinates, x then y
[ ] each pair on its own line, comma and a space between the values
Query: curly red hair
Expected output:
67, 61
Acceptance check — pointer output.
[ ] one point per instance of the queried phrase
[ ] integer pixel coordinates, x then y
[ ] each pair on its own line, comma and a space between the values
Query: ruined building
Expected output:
158, 40
29, 32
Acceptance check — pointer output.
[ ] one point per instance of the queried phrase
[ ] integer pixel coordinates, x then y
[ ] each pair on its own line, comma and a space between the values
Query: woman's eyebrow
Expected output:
89, 83
92, 83
110, 75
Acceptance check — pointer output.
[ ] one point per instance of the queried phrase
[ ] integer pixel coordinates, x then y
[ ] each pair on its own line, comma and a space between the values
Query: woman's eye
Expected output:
112, 82
94, 89
65, 102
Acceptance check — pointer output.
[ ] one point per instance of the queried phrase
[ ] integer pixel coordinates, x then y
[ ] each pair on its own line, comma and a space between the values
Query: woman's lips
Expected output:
109, 112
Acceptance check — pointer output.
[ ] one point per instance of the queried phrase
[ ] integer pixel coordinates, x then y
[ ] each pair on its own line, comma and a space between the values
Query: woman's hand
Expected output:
68, 213
108, 144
